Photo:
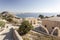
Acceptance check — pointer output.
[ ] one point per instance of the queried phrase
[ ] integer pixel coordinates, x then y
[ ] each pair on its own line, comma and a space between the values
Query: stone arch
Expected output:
45, 29
55, 31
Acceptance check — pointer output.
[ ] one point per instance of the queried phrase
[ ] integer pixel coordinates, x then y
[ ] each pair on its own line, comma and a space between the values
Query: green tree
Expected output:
41, 16
52, 16
25, 28
58, 15
46, 17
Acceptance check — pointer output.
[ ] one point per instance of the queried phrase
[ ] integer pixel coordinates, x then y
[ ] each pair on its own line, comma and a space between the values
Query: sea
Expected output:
24, 15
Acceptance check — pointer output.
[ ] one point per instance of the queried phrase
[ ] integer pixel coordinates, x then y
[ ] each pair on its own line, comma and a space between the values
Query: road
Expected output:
6, 34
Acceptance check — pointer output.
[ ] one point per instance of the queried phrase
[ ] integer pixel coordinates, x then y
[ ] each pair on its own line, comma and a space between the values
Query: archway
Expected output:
55, 31
41, 29
44, 29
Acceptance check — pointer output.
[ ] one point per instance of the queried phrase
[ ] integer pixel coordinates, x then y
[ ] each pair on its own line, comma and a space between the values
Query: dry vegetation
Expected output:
38, 36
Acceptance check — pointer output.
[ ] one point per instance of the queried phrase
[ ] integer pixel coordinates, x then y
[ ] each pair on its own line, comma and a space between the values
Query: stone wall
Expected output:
16, 35
50, 25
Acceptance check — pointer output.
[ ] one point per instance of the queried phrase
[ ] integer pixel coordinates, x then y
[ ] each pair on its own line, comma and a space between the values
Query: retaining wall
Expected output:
16, 35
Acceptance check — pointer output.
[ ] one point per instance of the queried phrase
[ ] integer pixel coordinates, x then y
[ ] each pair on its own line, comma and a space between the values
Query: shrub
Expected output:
2, 24
41, 16
25, 28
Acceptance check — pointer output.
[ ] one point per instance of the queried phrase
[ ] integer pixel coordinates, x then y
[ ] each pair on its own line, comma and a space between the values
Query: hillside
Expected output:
10, 17
7, 14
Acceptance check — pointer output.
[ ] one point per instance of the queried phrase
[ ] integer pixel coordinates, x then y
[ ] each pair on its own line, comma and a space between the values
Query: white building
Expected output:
34, 21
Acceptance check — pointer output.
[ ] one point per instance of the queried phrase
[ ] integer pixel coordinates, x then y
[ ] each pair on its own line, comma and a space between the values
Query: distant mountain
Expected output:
24, 15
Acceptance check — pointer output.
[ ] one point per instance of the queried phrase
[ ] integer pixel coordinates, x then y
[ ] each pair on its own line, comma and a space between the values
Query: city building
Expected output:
34, 21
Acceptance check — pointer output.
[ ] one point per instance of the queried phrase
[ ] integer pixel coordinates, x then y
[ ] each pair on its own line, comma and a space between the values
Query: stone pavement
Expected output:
6, 34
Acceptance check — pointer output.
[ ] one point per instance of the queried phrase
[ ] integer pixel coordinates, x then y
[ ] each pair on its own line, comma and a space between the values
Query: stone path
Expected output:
6, 34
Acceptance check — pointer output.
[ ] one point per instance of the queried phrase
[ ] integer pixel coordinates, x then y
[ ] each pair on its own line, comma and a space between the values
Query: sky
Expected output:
36, 6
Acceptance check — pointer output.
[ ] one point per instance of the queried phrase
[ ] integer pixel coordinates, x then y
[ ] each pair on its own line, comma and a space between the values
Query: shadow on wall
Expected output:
45, 31
55, 31
41, 30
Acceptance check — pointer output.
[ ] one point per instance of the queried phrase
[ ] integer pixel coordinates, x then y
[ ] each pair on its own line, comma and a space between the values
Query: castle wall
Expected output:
50, 25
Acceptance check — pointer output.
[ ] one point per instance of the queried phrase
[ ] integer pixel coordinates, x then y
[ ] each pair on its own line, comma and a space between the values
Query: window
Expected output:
34, 22
52, 27
45, 25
